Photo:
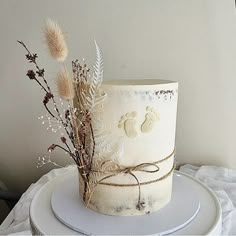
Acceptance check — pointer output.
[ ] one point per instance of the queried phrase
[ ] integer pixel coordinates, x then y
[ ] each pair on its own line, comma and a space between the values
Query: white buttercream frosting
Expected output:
135, 125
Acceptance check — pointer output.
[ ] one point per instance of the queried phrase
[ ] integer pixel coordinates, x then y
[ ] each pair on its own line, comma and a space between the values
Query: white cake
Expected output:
135, 125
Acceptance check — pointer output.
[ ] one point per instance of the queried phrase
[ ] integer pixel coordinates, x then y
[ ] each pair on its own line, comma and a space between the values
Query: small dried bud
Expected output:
52, 147
83, 129
47, 97
31, 57
40, 72
31, 74
87, 117
67, 114
81, 149
71, 135
63, 139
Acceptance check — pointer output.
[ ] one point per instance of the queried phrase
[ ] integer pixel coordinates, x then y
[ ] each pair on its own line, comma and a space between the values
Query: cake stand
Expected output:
52, 213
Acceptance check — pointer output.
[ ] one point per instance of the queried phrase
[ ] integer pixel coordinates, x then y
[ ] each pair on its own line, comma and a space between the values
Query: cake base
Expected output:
123, 201
71, 211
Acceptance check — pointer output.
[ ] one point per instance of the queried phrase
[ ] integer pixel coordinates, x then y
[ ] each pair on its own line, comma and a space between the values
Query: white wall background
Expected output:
191, 41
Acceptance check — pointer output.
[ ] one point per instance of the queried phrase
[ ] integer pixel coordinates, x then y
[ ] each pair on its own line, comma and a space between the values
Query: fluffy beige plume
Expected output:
55, 41
65, 85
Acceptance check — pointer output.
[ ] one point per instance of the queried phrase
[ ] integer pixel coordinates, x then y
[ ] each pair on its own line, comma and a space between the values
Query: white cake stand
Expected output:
189, 218
71, 211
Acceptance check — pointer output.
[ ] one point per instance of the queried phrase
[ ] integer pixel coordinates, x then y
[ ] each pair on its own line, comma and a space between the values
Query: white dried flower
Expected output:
65, 85
55, 41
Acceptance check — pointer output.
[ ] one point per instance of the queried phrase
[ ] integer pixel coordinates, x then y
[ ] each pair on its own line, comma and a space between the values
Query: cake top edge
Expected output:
136, 82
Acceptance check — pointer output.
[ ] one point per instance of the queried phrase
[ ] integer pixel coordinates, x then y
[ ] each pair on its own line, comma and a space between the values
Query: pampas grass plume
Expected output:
55, 41
65, 85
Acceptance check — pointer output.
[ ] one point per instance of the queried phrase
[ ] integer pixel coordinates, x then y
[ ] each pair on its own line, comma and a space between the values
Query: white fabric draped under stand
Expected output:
221, 180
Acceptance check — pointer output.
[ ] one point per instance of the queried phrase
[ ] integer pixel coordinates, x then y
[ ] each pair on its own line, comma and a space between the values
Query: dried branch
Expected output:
32, 59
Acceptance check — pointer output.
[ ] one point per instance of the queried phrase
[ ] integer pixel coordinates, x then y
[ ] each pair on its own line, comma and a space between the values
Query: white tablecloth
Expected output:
221, 180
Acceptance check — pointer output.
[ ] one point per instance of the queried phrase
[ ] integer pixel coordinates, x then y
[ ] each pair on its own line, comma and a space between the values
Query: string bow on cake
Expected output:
111, 169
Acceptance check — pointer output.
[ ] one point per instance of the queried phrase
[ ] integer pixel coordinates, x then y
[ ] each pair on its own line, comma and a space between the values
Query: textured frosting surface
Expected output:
135, 125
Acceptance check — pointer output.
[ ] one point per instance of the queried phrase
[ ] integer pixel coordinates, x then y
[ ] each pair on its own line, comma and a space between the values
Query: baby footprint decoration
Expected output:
128, 123
150, 120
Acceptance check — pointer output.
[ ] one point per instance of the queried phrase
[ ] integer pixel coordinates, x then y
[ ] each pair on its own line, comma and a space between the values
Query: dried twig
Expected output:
32, 58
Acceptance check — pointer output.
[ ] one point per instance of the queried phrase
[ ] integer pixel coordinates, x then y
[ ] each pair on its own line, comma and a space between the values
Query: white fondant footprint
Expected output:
128, 123
150, 119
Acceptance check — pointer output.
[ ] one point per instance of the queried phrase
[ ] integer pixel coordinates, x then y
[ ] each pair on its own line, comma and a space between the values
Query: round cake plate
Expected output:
206, 222
71, 211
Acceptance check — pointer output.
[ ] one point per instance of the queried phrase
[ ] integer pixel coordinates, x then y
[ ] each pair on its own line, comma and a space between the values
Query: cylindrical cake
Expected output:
134, 133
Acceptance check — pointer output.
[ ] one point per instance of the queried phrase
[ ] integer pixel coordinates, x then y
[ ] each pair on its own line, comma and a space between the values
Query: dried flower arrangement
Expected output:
94, 149
77, 88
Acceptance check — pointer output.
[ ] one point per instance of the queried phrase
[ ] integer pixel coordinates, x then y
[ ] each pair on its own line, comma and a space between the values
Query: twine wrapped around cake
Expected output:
128, 170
